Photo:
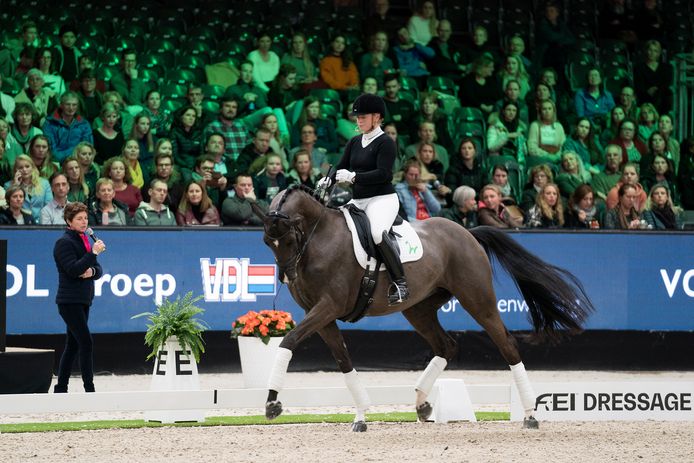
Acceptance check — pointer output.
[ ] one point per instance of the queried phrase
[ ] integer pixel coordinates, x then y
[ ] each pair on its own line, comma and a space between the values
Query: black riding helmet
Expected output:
369, 104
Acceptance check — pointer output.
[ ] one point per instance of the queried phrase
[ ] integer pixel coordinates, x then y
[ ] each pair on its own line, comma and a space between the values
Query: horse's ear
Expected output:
257, 210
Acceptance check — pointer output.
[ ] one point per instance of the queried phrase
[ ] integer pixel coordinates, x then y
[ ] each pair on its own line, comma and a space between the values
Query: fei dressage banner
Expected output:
610, 401
637, 281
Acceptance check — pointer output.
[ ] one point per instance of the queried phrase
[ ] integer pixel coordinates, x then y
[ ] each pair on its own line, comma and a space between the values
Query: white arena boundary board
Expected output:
576, 401
227, 399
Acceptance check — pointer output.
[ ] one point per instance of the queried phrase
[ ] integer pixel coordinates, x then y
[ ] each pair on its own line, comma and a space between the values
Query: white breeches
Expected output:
381, 211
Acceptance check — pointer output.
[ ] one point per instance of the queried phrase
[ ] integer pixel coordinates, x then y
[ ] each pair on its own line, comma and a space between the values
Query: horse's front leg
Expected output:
315, 320
332, 336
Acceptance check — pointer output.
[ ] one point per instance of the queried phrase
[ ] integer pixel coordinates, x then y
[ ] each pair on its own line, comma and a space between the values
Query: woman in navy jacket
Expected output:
77, 270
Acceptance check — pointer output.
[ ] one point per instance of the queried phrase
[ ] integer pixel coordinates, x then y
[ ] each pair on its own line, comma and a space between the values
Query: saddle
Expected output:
363, 229
407, 242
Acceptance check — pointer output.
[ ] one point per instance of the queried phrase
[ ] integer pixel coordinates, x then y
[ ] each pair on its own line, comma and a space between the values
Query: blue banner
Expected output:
637, 281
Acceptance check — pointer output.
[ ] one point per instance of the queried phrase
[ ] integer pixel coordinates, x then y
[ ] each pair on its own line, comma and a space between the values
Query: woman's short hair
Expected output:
102, 181
12, 189
72, 209
462, 194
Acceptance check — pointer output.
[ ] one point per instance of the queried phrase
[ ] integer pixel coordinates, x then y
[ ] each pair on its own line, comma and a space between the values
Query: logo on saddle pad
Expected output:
233, 280
408, 242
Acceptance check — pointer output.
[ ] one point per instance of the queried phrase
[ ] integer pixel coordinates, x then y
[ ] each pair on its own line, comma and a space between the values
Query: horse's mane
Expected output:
294, 187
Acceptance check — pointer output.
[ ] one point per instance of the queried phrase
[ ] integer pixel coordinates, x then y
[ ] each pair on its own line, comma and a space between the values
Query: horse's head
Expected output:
285, 231
284, 236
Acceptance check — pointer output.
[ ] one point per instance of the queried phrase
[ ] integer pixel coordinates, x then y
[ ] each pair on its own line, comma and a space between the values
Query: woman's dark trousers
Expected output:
79, 341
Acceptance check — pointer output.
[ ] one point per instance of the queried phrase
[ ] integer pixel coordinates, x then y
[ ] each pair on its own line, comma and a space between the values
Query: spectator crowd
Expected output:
489, 132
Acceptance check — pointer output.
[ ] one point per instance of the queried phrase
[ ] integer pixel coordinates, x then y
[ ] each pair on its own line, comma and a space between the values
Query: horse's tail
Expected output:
555, 297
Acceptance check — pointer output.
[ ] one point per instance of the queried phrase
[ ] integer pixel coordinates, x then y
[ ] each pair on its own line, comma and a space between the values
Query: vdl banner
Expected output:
637, 281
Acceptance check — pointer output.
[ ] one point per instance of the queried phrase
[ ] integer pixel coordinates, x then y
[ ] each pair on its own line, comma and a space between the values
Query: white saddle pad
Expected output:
409, 243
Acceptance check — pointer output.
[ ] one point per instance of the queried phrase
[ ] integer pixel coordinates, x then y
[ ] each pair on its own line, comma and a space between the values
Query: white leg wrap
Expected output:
431, 372
279, 369
525, 389
359, 394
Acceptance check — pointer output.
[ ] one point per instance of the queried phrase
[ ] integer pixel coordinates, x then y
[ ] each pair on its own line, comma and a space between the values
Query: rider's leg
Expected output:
398, 291
381, 211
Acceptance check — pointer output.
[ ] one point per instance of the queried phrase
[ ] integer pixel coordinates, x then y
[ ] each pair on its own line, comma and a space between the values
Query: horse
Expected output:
312, 247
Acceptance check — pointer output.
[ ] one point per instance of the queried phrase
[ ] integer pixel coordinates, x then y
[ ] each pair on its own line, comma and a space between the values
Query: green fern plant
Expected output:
176, 318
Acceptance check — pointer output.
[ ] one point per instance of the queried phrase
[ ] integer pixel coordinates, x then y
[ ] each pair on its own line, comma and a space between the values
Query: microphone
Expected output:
91, 234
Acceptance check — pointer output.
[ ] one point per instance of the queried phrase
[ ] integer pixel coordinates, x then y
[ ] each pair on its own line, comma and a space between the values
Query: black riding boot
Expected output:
398, 291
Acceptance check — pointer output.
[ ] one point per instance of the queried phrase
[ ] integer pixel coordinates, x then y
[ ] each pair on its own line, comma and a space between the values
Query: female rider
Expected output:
368, 163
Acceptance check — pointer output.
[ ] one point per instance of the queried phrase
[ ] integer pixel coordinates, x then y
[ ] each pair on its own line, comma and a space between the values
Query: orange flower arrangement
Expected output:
264, 324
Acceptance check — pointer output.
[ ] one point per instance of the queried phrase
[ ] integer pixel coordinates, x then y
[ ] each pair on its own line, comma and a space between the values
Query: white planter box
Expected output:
174, 370
257, 360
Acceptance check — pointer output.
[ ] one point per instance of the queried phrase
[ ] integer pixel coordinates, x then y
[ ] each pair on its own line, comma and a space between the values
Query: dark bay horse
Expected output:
313, 249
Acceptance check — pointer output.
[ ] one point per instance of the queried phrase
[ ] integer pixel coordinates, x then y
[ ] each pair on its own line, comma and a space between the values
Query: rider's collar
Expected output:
367, 138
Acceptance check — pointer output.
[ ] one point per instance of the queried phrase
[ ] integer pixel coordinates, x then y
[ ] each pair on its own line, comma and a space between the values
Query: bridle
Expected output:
299, 235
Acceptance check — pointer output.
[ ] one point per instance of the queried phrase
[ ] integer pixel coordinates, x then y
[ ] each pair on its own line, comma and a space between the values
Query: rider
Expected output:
368, 163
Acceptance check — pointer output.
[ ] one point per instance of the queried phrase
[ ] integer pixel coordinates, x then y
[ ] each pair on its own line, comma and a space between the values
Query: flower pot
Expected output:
257, 359
174, 370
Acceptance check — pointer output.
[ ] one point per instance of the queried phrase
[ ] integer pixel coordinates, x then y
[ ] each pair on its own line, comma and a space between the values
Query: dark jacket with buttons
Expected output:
72, 260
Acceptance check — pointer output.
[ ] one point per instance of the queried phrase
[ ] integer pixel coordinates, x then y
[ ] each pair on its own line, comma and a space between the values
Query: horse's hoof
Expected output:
424, 411
531, 423
359, 426
273, 409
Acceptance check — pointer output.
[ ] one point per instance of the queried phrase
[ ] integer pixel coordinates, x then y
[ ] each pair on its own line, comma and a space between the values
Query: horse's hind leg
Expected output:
332, 336
424, 318
481, 304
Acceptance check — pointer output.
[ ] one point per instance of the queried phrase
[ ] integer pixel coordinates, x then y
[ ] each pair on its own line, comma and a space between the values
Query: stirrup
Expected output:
398, 292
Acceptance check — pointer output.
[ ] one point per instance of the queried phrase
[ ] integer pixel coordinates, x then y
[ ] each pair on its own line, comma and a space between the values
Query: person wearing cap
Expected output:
43, 100
367, 163
66, 54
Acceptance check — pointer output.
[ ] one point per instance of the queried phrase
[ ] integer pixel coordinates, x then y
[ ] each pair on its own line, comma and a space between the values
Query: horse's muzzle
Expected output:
287, 275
